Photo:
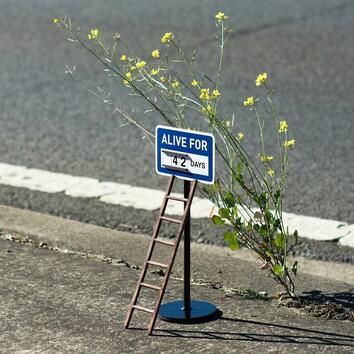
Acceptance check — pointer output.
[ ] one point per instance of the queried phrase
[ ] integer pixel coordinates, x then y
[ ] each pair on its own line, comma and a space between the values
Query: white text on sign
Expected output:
182, 141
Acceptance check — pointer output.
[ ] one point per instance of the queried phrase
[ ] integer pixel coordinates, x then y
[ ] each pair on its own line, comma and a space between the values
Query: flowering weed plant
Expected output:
249, 189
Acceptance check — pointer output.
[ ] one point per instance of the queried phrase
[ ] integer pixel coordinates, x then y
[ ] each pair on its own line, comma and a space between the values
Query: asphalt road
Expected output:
50, 122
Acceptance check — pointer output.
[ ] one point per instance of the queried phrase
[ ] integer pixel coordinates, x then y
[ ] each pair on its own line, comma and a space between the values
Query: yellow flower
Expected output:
207, 109
249, 101
155, 54
265, 158
132, 68
94, 33
55, 21
154, 71
289, 143
162, 78
175, 84
283, 126
123, 57
240, 136
204, 94
261, 79
128, 75
270, 172
194, 83
167, 37
220, 16
126, 82
140, 64
216, 93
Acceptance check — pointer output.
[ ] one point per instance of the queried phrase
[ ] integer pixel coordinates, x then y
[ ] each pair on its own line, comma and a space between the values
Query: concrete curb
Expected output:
77, 236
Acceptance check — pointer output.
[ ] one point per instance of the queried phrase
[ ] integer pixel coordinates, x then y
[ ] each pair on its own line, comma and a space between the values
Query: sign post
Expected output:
190, 156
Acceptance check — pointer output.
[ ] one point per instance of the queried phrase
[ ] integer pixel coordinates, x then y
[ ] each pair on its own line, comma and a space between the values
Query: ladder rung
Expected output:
184, 200
140, 308
175, 221
154, 287
163, 242
158, 264
174, 243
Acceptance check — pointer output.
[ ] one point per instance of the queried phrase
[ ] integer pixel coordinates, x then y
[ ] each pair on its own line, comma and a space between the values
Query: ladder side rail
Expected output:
173, 256
149, 253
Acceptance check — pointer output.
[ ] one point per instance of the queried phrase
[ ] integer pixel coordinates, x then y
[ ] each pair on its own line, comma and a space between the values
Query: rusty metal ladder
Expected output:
168, 267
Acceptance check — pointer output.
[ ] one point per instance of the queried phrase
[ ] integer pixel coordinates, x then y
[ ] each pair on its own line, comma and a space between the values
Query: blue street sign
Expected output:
185, 153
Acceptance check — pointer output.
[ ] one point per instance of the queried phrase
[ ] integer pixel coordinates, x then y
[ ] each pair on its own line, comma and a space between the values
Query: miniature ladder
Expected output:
187, 204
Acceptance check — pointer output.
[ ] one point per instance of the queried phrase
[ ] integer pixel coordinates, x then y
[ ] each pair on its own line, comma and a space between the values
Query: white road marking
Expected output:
94, 189
349, 239
315, 228
150, 199
34, 179
136, 197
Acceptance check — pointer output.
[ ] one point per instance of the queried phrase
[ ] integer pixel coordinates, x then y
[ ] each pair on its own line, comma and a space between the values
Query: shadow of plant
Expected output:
338, 306
346, 299
256, 331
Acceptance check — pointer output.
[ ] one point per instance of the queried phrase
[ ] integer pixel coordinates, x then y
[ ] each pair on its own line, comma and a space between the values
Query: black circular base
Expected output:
201, 311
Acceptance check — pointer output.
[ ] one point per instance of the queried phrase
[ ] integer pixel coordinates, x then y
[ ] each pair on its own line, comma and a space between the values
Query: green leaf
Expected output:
231, 238
277, 224
296, 236
294, 268
263, 230
239, 178
239, 168
268, 216
217, 220
216, 185
261, 200
234, 245
269, 253
277, 196
224, 213
238, 221
235, 210
279, 240
278, 269
229, 199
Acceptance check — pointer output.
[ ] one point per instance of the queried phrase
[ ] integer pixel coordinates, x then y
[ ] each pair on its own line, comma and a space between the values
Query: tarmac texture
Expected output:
49, 122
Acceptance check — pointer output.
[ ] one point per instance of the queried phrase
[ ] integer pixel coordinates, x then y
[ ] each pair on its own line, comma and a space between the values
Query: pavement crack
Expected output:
229, 291
28, 241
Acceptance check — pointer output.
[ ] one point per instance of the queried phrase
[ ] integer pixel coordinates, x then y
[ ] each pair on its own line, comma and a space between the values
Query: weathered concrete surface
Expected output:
60, 303
73, 235
53, 302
